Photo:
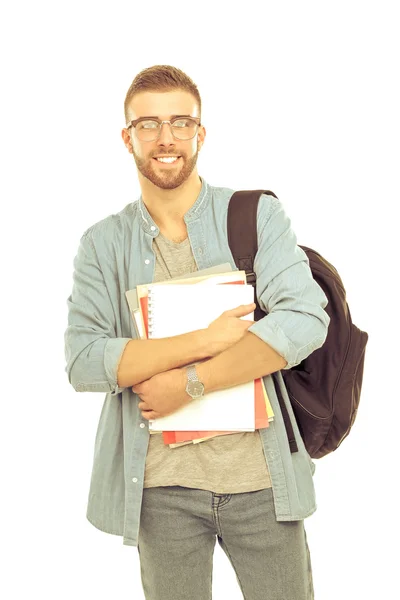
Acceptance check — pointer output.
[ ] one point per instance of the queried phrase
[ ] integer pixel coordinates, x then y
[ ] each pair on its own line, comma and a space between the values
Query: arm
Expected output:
296, 323
248, 359
245, 361
144, 358
97, 359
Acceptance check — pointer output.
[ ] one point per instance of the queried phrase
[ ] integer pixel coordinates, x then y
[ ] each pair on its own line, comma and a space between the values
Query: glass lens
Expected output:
147, 130
183, 129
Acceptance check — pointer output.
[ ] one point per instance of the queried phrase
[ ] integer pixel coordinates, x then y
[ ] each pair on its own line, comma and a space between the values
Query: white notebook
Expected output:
181, 308
177, 309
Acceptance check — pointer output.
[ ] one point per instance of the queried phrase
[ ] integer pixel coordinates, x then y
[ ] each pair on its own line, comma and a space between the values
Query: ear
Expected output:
127, 140
201, 138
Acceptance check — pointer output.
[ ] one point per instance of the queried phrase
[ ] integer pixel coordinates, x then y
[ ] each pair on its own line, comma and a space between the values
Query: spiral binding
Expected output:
150, 309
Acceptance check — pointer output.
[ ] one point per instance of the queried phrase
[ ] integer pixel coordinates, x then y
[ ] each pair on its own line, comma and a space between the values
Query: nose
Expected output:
166, 138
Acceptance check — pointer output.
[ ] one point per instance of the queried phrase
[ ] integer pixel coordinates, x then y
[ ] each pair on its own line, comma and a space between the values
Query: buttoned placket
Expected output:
142, 425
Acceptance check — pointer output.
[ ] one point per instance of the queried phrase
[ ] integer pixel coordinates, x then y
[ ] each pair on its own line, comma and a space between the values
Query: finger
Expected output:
241, 310
144, 406
138, 386
149, 414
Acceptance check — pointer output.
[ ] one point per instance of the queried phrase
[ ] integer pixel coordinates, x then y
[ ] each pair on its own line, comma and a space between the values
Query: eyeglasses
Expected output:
149, 130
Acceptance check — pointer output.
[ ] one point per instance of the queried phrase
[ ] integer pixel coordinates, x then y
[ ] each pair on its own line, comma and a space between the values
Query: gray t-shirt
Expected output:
225, 464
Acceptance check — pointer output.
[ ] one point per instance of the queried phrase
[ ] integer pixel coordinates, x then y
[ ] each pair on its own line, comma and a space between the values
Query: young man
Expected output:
248, 490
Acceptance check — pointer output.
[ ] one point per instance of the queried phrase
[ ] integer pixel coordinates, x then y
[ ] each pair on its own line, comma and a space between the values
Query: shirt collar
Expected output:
193, 213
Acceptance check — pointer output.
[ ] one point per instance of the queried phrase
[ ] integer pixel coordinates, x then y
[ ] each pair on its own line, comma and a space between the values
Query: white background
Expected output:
322, 80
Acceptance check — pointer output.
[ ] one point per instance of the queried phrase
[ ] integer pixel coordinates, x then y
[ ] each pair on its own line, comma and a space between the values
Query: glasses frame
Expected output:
178, 118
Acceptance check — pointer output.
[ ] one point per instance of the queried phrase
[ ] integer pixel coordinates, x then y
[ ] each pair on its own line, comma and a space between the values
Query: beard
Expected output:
169, 178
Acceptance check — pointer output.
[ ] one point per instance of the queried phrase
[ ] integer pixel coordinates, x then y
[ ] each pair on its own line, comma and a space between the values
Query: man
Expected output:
248, 490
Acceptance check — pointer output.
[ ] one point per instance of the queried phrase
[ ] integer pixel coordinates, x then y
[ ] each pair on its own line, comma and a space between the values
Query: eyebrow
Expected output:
171, 117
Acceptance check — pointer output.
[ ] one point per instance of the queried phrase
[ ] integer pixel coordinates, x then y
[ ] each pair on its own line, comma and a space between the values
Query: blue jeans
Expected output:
178, 529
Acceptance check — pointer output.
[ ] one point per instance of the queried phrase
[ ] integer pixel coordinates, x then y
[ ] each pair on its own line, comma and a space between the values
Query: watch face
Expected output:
195, 388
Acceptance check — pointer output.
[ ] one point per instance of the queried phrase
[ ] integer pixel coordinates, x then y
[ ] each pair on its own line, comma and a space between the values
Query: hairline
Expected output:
166, 91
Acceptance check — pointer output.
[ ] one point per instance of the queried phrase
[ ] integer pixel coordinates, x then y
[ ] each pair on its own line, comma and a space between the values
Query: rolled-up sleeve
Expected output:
92, 349
296, 323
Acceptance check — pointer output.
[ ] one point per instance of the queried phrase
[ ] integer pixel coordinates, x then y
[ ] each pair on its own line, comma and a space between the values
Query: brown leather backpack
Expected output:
324, 389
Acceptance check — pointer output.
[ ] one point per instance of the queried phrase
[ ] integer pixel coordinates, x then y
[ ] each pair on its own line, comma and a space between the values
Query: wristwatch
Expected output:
194, 387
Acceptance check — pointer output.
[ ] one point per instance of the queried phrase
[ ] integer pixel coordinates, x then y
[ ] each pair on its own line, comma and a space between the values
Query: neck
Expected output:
168, 207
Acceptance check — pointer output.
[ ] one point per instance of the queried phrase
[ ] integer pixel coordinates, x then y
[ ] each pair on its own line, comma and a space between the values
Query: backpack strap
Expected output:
243, 243
242, 234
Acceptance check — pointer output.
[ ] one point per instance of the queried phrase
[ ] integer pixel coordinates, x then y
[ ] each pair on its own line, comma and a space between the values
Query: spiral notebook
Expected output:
134, 296
178, 309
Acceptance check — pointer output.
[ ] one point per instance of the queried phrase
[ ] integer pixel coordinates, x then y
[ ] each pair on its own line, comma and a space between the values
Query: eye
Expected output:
180, 123
148, 125
183, 123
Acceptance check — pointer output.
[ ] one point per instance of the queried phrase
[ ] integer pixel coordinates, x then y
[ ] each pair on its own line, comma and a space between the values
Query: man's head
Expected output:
164, 93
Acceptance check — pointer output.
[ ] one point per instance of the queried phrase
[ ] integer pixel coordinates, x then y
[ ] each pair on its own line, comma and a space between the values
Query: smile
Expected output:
168, 161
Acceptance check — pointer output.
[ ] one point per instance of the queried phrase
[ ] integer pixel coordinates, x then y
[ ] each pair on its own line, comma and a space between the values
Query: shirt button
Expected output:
200, 251
152, 228
147, 261
134, 479
142, 425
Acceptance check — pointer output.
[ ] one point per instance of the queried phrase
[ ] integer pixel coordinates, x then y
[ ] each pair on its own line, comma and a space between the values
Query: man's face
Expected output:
164, 105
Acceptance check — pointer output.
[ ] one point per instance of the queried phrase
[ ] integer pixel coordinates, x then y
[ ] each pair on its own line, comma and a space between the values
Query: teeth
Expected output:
168, 160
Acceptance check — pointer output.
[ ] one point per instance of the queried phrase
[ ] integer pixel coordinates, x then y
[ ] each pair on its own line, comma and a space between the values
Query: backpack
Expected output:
324, 415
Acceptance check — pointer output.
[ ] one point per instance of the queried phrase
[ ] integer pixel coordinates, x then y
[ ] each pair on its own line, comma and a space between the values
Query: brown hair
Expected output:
161, 78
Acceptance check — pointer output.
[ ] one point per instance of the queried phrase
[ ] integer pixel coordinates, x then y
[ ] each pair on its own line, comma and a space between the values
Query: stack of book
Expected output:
184, 304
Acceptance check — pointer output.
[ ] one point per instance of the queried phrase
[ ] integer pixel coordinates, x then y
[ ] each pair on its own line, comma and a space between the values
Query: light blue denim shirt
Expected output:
116, 255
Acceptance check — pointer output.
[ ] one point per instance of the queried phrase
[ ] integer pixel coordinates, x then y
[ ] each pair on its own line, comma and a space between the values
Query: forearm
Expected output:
248, 359
144, 358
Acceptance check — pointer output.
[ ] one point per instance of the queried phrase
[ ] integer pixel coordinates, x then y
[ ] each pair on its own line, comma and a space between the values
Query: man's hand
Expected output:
162, 394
